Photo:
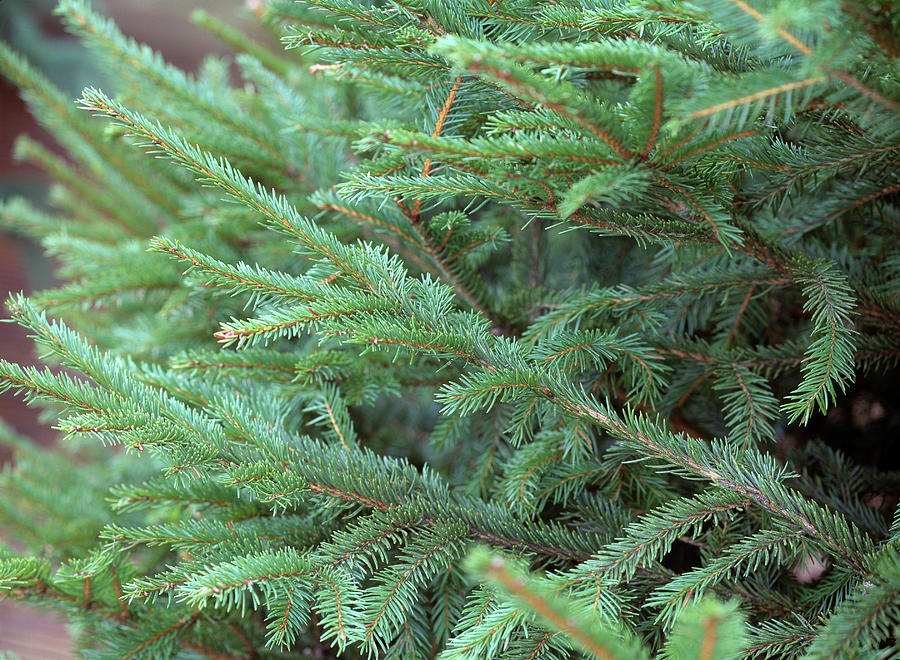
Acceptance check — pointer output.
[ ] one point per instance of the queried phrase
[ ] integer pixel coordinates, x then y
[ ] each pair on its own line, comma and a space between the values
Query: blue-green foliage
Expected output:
554, 278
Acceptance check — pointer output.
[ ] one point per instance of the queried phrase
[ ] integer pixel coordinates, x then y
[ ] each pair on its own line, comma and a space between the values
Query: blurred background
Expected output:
31, 28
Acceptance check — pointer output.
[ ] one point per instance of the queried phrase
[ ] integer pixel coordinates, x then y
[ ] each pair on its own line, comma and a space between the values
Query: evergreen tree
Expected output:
467, 329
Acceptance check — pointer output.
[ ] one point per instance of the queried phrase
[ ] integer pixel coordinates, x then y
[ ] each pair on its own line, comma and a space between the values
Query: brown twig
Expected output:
657, 113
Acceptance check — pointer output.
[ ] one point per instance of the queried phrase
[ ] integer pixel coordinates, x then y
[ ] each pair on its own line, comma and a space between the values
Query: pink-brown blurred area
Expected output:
32, 29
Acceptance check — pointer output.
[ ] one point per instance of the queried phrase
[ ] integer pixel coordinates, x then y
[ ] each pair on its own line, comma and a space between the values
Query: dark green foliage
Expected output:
571, 282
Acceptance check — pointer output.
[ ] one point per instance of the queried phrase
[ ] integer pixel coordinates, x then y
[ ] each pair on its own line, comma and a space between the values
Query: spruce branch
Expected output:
84, 139
806, 50
649, 538
103, 34
561, 98
601, 642
870, 610
221, 174
829, 359
437, 360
